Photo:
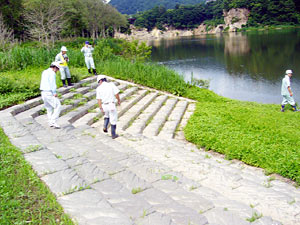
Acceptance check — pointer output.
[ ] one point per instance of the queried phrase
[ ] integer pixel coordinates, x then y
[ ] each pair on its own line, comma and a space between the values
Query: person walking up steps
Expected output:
63, 60
286, 91
87, 50
107, 95
49, 96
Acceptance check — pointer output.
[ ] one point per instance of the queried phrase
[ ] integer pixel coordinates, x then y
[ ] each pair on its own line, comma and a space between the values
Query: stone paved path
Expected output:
148, 176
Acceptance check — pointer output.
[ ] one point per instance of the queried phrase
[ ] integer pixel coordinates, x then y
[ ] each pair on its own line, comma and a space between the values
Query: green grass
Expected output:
257, 134
150, 75
24, 198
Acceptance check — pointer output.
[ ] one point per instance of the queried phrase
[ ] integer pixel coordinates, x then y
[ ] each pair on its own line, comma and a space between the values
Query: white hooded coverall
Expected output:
48, 88
88, 57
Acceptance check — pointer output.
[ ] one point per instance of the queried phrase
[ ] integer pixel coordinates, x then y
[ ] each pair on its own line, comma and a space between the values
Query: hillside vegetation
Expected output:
262, 12
134, 6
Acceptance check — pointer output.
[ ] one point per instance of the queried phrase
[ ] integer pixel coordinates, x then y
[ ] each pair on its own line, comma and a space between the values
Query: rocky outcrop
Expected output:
234, 20
144, 35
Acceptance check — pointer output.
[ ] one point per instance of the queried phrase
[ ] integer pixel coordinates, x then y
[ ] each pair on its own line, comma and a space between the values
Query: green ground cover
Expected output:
24, 199
257, 134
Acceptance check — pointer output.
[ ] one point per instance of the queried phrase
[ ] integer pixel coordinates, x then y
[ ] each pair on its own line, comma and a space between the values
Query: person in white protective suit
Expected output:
87, 50
63, 60
107, 95
49, 95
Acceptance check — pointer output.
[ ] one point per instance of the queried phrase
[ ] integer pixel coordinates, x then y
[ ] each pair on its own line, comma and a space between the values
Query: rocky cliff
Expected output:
234, 19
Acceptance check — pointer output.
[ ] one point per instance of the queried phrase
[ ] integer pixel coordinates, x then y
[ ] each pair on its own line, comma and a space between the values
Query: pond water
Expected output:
244, 66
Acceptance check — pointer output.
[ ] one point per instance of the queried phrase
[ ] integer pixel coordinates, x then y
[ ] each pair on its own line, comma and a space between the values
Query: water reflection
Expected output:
236, 44
245, 66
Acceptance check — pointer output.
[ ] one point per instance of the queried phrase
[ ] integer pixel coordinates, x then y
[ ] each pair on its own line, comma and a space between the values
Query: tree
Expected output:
6, 35
45, 20
12, 11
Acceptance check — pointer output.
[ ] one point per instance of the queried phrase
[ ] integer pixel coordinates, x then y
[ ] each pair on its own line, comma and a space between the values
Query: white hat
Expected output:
288, 71
100, 77
63, 48
56, 64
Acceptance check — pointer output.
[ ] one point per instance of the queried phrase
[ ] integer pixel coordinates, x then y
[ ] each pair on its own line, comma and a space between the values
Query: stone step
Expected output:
169, 128
188, 113
159, 119
135, 110
124, 180
138, 179
74, 115
14, 110
227, 182
141, 121
141, 174
93, 119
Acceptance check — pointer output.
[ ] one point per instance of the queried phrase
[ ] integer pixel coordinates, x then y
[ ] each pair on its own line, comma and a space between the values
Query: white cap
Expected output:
100, 77
56, 64
288, 71
63, 48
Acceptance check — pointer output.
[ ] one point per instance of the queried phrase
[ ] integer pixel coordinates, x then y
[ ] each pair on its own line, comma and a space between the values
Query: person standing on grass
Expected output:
87, 50
286, 91
63, 60
107, 95
49, 95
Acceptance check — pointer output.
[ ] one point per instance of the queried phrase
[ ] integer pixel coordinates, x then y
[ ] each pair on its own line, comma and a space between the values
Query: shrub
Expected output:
6, 85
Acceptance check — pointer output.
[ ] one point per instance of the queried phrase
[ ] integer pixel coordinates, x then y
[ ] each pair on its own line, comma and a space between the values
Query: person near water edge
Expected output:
286, 91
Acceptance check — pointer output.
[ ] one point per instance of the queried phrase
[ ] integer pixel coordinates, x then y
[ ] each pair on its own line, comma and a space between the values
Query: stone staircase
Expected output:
149, 175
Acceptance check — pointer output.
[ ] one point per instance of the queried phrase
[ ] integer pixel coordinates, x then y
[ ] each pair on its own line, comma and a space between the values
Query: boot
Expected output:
282, 108
69, 82
94, 71
106, 122
89, 70
113, 131
64, 83
294, 108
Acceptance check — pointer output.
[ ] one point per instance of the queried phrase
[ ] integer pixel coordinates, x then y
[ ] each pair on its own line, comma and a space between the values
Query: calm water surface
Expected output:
244, 66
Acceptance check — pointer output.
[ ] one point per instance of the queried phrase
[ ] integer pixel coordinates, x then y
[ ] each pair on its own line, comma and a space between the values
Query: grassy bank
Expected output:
24, 198
257, 134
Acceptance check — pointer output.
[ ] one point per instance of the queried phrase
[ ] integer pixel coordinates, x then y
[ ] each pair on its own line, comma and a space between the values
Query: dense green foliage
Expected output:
256, 134
134, 6
24, 197
49, 20
262, 12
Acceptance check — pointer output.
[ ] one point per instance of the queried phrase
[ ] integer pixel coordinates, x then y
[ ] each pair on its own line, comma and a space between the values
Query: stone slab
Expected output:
62, 151
88, 207
122, 199
44, 162
131, 181
64, 182
91, 173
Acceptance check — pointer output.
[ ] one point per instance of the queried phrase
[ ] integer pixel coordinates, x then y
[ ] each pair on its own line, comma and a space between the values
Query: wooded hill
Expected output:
262, 12
134, 6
